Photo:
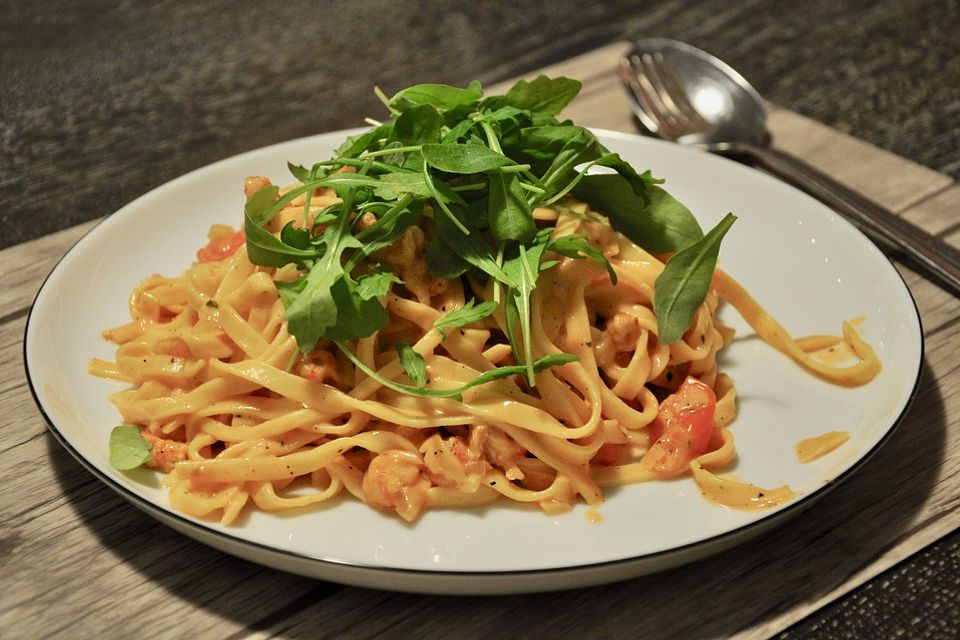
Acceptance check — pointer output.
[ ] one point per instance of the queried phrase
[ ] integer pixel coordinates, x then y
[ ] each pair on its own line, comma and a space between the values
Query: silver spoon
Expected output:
682, 94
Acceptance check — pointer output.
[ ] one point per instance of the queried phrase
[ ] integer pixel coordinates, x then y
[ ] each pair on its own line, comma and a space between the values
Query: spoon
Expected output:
682, 94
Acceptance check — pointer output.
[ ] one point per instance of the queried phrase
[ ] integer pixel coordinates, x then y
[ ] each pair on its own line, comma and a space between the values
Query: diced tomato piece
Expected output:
685, 422
221, 248
606, 455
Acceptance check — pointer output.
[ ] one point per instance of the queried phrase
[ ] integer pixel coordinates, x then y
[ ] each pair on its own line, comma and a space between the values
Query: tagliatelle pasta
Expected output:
237, 414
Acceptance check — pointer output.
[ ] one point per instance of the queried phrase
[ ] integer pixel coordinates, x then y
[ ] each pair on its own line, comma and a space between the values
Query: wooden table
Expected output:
78, 561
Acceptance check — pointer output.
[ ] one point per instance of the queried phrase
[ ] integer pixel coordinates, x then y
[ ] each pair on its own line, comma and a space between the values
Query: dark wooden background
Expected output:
102, 101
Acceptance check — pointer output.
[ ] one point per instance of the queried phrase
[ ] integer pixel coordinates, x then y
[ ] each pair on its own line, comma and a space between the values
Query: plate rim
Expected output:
203, 528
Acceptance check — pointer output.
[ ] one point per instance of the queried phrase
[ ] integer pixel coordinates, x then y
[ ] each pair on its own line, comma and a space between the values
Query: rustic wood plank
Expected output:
940, 213
26, 265
853, 162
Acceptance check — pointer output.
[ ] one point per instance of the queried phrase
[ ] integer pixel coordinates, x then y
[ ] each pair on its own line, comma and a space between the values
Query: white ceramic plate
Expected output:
808, 266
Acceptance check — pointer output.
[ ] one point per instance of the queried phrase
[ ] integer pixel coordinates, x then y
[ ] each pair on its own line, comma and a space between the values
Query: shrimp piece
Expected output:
319, 367
394, 481
253, 184
165, 452
503, 451
624, 329
406, 257
450, 463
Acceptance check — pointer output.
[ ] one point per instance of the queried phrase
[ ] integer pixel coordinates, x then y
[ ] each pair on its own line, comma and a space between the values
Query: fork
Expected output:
663, 106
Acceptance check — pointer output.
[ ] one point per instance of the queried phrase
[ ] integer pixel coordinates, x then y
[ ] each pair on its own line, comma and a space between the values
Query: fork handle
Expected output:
932, 254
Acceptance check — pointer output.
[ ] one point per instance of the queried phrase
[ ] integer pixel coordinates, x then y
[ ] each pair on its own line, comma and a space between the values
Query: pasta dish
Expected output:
458, 308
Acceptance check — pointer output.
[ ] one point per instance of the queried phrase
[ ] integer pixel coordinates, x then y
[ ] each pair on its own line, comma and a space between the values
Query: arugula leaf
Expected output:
576, 245
654, 224
539, 365
417, 125
413, 363
640, 183
392, 185
443, 262
310, 306
388, 227
511, 218
682, 286
355, 145
467, 314
464, 158
294, 236
266, 249
522, 270
471, 248
299, 172
358, 313
543, 95
128, 449
375, 285
441, 96
580, 146
310, 303
259, 208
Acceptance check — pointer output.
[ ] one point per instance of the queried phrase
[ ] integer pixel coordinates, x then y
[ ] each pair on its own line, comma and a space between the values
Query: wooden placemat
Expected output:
85, 562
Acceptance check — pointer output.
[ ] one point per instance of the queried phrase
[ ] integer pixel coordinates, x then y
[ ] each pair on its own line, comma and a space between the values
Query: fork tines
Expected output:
663, 105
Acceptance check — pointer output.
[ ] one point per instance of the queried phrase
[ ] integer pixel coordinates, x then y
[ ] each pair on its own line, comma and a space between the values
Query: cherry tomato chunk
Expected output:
220, 248
685, 422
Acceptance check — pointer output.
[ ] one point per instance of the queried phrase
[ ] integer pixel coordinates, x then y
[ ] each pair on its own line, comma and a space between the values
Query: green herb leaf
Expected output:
577, 246
393, 185
258, 208
418, 124
543, 95
653, 223
641, 183
353, 146
511, 218
467, 314
358, 312
375, 285
685, 281
299, 172
539, 365
522, 269
128, 449
441, 96
413, 363
471, 248
294, 236
578, 146
464, 158
442, 262
389, 226
310, 306
266, 249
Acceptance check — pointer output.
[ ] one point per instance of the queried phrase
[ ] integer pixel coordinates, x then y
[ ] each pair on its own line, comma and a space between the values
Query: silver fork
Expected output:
736, 126
664, 108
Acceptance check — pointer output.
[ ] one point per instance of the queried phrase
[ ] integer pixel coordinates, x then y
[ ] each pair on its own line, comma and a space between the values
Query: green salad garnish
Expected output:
478, 166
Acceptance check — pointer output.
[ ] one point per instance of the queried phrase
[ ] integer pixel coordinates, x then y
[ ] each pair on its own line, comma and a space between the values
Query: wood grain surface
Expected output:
84, 563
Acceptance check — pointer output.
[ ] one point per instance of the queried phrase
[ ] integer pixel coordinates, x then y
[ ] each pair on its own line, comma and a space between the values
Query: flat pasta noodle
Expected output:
238, 417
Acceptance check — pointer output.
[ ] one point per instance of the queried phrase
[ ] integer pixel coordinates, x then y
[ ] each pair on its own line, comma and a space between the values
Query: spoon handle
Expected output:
932, 254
